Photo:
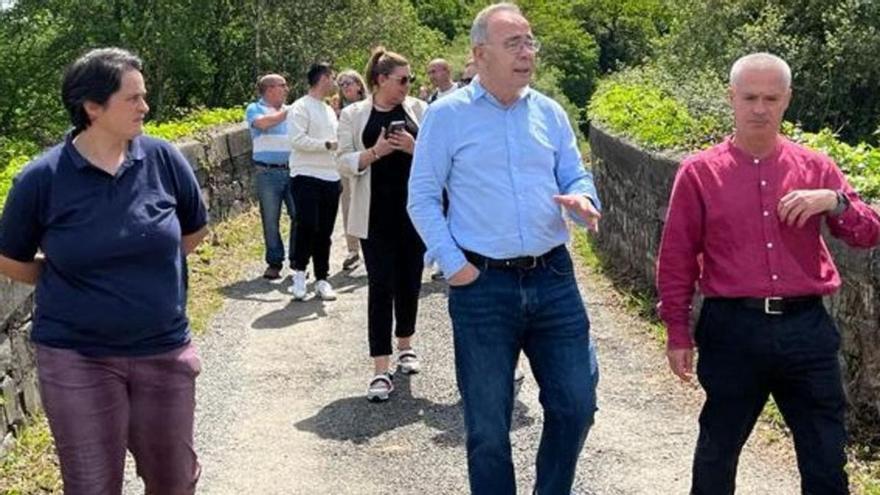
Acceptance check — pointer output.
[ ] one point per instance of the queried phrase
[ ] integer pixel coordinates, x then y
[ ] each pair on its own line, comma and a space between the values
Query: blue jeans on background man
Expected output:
539, 311
273, 189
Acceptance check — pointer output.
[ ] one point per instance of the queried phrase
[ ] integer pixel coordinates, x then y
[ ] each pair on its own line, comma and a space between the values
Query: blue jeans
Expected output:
273, 189
538, 311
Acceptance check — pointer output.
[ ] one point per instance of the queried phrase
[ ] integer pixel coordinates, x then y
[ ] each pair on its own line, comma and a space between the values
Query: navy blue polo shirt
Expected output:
114, 281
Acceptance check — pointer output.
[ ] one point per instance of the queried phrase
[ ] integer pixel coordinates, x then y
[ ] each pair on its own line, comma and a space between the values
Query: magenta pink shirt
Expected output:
722, 230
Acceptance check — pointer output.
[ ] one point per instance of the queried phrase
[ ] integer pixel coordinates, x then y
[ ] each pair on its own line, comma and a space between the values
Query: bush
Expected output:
196, 121
660, 114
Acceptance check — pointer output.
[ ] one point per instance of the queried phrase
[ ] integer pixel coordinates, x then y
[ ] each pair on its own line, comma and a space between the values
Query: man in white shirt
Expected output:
441, 79
314, 181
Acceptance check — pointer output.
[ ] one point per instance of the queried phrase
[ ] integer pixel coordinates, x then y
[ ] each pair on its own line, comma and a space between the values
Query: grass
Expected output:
31, 467
863, 461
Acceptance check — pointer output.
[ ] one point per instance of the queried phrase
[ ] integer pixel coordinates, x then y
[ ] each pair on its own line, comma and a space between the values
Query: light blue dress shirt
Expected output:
501, 167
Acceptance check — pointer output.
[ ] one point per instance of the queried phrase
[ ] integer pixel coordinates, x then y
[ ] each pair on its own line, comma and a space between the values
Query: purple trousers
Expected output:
99, 407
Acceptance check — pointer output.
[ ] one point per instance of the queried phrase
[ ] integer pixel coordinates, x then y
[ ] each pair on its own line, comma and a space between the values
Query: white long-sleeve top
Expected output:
311, 124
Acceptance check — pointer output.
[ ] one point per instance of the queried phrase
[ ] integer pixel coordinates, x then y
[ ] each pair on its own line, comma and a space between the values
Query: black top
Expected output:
389, 176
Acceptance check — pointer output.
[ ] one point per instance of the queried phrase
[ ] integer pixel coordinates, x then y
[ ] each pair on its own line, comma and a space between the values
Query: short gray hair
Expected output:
480, 27
760, 60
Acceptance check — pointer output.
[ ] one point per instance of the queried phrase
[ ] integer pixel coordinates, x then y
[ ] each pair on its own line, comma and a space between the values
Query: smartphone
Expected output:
394, 126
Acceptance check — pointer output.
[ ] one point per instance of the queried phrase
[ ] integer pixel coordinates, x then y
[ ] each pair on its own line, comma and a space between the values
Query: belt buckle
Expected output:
767, 309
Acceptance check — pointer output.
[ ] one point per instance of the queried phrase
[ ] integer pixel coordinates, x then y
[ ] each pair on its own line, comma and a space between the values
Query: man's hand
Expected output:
580, 205
464, 276
402, 141
796, 207
681, 362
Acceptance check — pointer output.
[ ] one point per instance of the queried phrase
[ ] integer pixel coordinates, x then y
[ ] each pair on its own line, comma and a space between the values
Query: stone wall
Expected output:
221, 160
634, 186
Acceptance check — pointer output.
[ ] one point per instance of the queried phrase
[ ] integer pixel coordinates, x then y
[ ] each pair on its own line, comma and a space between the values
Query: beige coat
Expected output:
352, 121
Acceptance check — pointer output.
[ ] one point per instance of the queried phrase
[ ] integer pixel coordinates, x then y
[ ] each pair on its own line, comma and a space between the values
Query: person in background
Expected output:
441, 78
376, 141
113, 214
351, 90
508, 158
314, 182
745, 223
470, 71
267, 122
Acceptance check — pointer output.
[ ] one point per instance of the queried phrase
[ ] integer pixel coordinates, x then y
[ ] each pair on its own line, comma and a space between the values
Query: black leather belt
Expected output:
270, 165
775, 305
521, 262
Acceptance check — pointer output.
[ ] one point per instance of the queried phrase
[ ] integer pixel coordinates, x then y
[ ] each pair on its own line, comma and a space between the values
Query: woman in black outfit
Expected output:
376, 142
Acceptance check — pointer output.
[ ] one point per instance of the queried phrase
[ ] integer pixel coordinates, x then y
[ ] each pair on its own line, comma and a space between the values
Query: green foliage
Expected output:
833, 49
565, 46
547, 82
201, 53
625, 30
449, 17
199, 120
861, 163
650, 108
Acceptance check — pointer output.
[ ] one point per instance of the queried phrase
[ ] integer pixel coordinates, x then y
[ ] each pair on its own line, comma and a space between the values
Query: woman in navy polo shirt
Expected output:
114, 215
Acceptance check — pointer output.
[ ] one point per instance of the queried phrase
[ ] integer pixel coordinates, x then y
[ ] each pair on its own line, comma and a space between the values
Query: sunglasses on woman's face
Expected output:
404, 80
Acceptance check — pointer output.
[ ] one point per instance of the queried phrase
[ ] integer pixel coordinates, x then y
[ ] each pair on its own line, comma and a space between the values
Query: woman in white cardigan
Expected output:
377, 162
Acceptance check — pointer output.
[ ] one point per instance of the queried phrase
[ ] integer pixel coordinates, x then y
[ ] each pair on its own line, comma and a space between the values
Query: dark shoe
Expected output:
351, 261
437, 275
272, 273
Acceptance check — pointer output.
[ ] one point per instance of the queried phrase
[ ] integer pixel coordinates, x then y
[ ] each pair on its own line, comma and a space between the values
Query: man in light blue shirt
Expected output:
507, 157
267, 121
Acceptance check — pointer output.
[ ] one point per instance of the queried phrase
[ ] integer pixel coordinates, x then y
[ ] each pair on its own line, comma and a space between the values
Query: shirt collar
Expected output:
135, 152
740, 154
480, 91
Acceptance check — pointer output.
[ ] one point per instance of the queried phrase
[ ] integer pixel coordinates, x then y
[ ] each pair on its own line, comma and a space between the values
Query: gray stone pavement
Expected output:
282, 408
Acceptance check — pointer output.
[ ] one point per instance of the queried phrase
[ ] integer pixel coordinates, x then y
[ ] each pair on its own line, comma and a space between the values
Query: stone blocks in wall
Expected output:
634, 186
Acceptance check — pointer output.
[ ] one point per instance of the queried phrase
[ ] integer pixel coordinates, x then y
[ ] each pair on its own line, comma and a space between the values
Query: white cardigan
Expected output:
352, 122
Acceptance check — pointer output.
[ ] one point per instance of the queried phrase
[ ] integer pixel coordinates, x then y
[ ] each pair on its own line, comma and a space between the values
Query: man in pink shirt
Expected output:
744, 222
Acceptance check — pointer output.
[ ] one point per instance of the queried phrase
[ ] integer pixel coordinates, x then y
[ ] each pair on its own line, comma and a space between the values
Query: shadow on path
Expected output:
355, 419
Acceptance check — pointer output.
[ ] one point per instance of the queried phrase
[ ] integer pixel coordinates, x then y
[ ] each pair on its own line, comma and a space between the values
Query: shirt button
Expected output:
840, 222
769, 245
763, 183
775, 277
757, 161
766, 213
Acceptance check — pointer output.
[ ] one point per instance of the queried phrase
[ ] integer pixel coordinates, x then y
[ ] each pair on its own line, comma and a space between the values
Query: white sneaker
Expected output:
408, 362
325, 290
298, 289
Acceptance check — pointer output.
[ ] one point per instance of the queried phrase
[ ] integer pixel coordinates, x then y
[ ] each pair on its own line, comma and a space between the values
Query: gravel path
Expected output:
282, 409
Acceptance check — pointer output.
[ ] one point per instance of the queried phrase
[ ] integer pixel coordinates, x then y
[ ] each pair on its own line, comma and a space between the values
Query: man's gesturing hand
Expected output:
580, 205
796, 207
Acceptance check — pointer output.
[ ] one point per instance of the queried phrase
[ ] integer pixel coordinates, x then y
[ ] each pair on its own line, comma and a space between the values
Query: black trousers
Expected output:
394, 271
744, 357
316, 202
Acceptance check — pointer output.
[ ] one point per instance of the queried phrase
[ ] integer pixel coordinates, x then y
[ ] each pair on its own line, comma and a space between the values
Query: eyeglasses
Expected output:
404, 80
514, 45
